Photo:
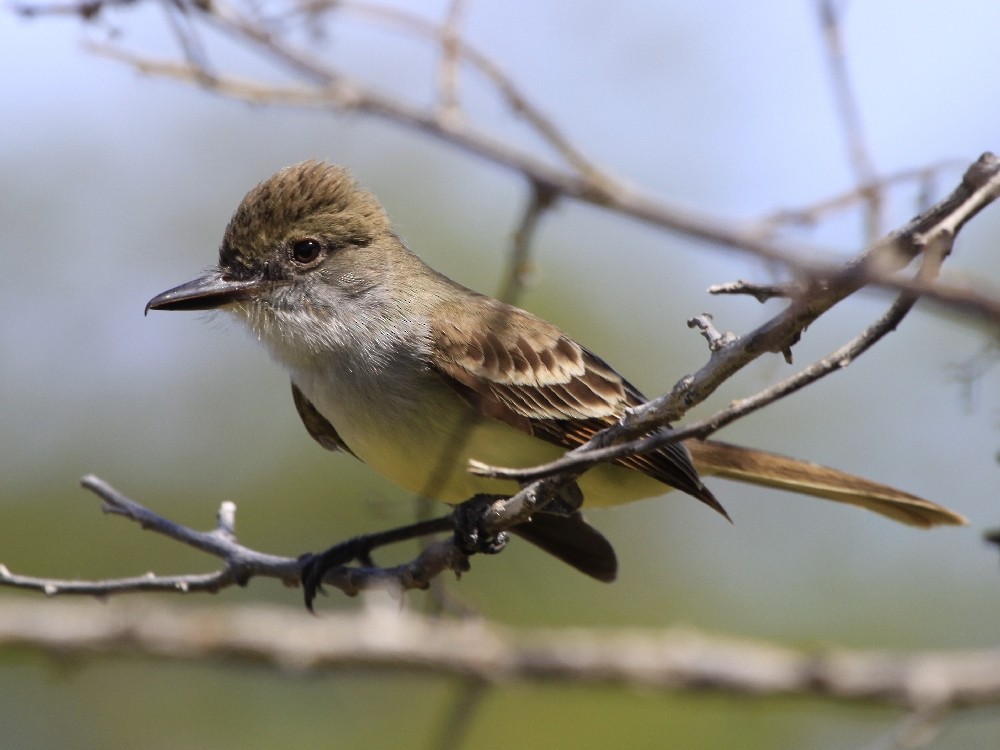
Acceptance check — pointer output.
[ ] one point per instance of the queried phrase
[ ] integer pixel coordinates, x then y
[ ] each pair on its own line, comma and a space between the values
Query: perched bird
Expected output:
414, 374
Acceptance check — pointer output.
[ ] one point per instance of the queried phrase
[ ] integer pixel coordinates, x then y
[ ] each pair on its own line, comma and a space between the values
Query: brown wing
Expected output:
317, 425
519, 369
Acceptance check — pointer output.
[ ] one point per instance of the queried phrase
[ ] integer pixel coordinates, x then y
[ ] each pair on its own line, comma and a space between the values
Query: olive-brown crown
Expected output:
310, 199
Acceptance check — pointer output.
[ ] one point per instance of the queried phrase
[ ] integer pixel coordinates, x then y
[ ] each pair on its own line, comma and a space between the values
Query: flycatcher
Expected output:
414, 374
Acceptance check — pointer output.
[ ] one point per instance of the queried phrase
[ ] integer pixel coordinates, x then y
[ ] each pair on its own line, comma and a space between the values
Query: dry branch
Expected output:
481, 654
820, 284
931, 234
322, 86
240, 563
669, 661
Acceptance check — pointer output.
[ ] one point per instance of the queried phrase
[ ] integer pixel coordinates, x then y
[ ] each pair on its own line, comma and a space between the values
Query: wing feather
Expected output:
528, 373
316, 424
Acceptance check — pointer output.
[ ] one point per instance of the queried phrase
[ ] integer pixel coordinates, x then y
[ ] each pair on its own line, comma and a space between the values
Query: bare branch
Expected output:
450, 105
326, 88
584, 457
816, 212
762, 292
716, 340
519, 262
673, 660
241, 563
807, 261
186, 33
860, 157
934, 230
821, 281
518, 103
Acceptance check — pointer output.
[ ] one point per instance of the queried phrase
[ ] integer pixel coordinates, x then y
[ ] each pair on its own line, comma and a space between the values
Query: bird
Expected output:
414, 374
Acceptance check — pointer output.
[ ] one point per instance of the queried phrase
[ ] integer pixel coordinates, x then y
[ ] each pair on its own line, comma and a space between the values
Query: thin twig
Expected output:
186, 33
860, 156
706, 327
471, 692
762, 292
85, 9
823, 282
519, 260
448, 98
816, 212
332, 90
517, 102
240, 563
803, 259
933, 231
585, 457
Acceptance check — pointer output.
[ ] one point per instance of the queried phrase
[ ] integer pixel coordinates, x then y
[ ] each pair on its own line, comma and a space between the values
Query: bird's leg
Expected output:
472, 530
468, 521
313, 567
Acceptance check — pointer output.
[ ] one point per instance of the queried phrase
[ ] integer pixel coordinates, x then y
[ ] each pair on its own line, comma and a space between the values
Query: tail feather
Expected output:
574, 541
781, 472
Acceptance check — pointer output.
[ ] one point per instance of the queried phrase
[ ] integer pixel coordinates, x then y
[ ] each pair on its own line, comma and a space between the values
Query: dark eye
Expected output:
306, 251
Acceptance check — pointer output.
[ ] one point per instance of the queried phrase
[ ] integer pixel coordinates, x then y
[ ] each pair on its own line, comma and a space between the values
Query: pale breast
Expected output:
418, 433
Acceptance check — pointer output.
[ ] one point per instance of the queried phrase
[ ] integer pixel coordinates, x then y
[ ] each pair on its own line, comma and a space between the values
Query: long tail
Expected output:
781, 472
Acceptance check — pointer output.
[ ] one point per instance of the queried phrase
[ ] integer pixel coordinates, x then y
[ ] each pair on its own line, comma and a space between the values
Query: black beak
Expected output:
207, 292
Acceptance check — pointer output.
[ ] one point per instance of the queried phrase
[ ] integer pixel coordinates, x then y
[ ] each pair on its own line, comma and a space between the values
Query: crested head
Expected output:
309, 262
313, 199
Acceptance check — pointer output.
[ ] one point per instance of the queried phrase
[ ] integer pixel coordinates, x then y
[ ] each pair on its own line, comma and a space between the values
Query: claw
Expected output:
315, 567
472, 533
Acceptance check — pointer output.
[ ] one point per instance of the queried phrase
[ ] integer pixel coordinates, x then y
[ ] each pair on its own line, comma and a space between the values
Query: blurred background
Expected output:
115, 186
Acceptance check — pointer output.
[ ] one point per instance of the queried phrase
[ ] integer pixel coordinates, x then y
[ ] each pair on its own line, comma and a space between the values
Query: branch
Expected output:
450, 39
669, 661
241, 563
821, 285
325, 87
850, 116
346, 96
518, 270
519, 104
761, 292
812, 214
933, 231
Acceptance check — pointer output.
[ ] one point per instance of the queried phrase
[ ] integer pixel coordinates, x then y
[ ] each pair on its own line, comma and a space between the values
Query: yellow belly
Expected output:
426, 447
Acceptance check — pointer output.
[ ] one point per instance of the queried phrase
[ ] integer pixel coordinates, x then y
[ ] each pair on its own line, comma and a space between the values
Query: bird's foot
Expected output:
314, 567
472, 529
